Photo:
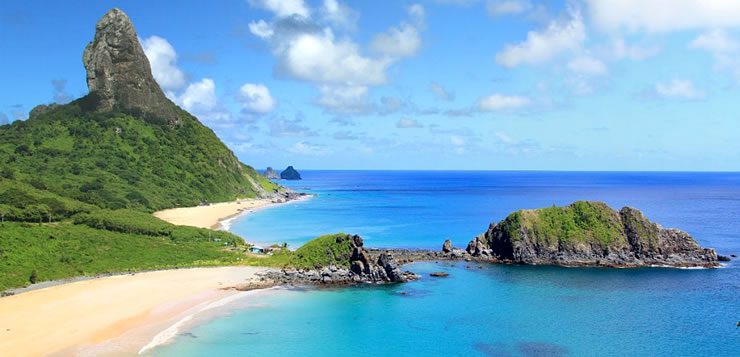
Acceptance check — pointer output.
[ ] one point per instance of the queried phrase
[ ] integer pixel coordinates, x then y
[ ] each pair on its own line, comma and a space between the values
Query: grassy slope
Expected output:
96, 177
62, 250
319, 252
579, 222
115, 160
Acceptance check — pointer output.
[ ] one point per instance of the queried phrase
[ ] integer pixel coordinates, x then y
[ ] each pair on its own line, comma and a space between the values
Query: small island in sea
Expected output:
130, 225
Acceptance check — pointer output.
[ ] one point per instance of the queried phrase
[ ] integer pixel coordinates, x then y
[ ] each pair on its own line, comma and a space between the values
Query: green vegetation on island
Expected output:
582, 221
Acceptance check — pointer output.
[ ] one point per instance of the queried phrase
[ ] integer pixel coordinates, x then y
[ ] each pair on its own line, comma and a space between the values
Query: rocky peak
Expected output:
290, 174
118, 73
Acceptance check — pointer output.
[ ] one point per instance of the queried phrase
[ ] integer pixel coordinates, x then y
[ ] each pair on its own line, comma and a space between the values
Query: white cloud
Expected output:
261, 29
457, 140
724, 49
200, 99
441, 92
716, 41
309, 50
283, 8
306, 148
339, 14
621, 50
282, 127
497, 102
320, 57
539, 47
256, 98
497, 8
163, 61
417, 14
678, 88
401, 41
408, 123
343, 99
663, 15
587, 65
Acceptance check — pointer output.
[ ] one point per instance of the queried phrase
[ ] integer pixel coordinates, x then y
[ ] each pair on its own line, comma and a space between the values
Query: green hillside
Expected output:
77, 189
78, 181
115, 160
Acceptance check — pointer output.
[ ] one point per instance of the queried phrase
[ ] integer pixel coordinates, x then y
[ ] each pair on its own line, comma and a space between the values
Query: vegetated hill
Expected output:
78, 181
116, 160
588, 233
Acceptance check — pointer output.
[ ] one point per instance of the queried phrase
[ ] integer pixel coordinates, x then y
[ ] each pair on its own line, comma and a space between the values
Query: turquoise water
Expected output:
489, 310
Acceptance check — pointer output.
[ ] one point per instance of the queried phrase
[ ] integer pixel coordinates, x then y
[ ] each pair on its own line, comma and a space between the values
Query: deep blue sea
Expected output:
480, 309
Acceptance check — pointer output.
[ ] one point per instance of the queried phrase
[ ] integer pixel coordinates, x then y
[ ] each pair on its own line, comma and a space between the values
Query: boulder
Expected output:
447, 246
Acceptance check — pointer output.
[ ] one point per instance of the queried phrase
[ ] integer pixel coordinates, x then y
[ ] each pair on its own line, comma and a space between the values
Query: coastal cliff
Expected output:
588, 234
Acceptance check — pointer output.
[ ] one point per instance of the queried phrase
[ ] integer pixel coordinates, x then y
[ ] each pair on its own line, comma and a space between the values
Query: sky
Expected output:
650, 85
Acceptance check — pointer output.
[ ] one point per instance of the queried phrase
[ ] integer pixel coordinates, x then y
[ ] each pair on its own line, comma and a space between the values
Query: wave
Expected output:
169, 333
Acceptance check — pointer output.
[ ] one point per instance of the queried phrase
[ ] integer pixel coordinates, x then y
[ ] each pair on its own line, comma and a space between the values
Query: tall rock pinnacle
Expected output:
118, 73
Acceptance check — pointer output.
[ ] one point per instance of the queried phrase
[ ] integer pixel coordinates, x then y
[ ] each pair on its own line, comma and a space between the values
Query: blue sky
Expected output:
438, 84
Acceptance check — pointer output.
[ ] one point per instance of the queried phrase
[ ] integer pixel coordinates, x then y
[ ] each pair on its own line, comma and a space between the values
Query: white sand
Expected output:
67, 318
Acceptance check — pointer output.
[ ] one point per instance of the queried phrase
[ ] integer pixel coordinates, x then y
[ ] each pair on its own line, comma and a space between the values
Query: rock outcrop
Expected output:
447, 246
290, 174
119, 76
362, 266
271, 174
588, 234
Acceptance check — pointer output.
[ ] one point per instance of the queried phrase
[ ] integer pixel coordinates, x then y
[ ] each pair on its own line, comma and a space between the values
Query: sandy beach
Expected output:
118, 315
71, 319
211, 216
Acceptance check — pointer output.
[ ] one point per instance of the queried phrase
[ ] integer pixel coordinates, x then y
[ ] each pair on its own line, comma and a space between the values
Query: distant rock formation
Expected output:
588, 234
290, 174
271, 174
119, 76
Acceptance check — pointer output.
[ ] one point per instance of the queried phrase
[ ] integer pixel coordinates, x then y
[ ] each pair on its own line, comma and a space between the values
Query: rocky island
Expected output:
271, 174
588, 234
339, 259
290, 174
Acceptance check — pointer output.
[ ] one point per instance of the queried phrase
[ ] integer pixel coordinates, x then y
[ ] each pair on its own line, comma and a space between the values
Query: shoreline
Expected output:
224, 223
132, 311
116, 314
217, 216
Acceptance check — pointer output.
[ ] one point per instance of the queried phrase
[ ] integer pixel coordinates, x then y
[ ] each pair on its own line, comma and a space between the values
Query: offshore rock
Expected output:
589, 234
271, 174
447, 246
290, 174
119, 76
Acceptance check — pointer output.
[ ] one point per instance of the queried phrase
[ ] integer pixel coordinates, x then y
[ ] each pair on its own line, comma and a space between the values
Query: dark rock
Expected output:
723, 258
290, 174
733, 255
271, 174
119, 76
439, 274
386, 262
447, 246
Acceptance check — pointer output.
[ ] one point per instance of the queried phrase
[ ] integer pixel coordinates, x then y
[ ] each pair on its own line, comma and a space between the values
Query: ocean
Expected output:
481, 309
